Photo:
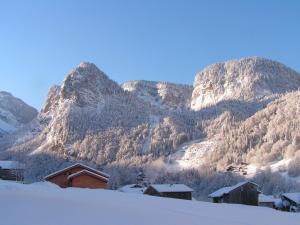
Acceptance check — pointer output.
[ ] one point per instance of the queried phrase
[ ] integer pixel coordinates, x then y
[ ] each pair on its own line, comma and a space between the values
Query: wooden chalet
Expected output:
79, 175
291, 202
12, 170
242, 193
179, 191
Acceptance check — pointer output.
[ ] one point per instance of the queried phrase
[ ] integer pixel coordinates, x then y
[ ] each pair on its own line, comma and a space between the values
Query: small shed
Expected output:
79, 175
291, 201
242, 193
11, 170
133, 189
266, 201
179, 191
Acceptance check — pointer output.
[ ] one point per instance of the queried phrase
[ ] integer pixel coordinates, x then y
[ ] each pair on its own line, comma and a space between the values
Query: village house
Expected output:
291, 202
79, 175
133, 189
266, 201
242, 193
179, 191
12, 170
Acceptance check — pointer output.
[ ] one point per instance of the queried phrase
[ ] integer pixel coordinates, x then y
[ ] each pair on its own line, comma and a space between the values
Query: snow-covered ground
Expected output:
154, 121
190, 155
46, 204
279, 166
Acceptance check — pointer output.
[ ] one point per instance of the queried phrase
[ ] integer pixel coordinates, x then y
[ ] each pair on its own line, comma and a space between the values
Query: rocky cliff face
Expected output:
14, 113
244, 80
166, 96
88, 107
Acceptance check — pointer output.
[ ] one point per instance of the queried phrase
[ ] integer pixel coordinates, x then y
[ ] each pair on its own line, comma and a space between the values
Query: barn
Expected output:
179, 191
133, 189
291, 202
79, 175
242, 193
266, 201
12, 170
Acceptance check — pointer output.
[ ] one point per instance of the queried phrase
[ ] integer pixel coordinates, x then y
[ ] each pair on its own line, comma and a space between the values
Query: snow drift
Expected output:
44, 203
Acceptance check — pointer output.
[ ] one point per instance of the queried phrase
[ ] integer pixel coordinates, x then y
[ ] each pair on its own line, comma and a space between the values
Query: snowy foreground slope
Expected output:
46, 204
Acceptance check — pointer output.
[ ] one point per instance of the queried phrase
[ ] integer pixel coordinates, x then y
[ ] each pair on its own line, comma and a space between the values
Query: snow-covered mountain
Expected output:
246, 79
248, 85
92, 118
269, 136
13, 113
86, 114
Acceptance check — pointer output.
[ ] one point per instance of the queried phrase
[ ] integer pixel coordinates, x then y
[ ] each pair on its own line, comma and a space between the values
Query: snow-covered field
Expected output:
46, 204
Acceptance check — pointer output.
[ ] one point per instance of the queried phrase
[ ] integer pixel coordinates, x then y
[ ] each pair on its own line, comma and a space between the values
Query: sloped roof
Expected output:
226, 190
76, 165
295, 197
265, 198
162, 188
11, 165
132, 188
89, 173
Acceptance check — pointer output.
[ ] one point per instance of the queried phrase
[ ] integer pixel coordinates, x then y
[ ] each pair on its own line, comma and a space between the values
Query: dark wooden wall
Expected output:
178, 195
151, 191
8, 174
246, 194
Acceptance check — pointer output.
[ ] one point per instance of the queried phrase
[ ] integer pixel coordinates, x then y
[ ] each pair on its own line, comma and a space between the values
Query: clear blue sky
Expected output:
169, 40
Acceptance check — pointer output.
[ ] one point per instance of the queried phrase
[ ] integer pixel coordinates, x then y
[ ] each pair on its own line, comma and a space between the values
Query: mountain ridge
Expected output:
14, 113
92, 118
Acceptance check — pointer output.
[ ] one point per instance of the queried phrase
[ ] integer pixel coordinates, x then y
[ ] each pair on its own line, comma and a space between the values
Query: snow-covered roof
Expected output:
89, 173
11, 165
132, 188
295, 197
265, 198
76, 165
226, 190
171, 188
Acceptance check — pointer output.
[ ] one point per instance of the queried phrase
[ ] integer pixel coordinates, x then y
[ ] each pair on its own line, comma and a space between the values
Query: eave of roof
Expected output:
75, 165
295, 197
89, 173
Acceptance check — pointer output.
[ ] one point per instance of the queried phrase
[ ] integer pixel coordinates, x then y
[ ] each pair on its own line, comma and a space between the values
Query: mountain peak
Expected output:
244, 79
86, 83
85, 69
87, 65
